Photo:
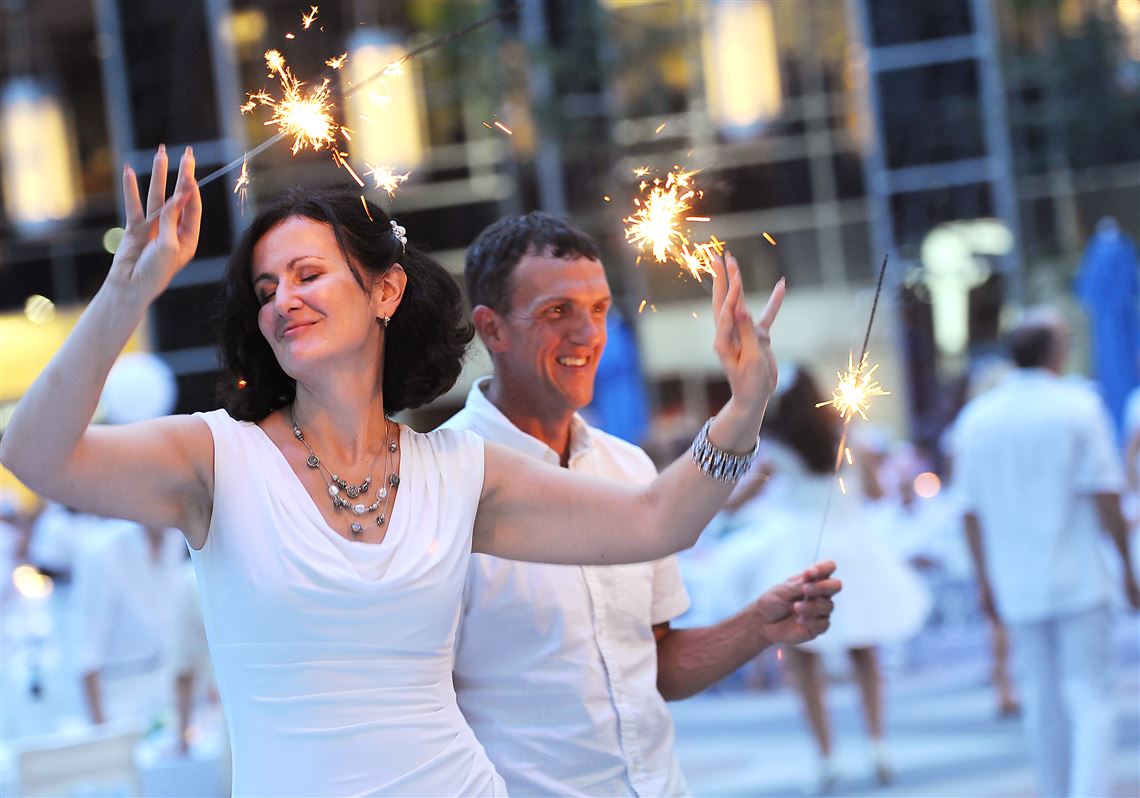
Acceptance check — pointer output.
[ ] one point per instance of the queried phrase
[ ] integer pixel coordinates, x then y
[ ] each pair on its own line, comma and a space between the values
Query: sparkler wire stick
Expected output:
432, 45
847, 421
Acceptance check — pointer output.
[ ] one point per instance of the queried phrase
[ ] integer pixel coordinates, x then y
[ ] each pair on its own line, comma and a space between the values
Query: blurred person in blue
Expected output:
1108, 285
1040, 481
563, 671
123, 611
620, 405
331, 621
884, 600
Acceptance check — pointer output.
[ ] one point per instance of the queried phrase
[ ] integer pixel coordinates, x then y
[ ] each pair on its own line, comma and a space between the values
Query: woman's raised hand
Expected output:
743, 346
159, 242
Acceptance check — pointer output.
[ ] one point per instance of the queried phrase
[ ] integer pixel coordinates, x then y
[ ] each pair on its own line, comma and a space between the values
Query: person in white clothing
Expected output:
563, 671
1041, 480
123, 610
329, 542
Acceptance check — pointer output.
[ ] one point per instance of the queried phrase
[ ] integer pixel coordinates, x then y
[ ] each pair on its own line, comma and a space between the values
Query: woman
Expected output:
330, 543
884, 601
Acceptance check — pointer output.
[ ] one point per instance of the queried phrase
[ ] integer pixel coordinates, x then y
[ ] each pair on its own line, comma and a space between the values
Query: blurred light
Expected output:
112, 238
927, 485
37, 156
39, 309
742, 67
247, 27
31, 583
1128, 14
952, 266
385, 116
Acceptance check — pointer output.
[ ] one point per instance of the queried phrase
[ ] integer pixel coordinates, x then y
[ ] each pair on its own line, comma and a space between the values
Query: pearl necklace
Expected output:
336, 484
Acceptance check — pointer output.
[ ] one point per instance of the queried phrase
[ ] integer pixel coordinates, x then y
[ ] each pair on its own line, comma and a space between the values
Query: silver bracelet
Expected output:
716, 462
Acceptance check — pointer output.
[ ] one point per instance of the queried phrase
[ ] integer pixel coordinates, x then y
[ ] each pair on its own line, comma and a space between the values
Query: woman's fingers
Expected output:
727, 339
744, 332
192, 213
775, 300
719, 284
132, 203
156, 193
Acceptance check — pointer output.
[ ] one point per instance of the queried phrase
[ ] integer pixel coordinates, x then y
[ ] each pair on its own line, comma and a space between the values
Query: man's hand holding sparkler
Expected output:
745, 351
161, 241
799, 608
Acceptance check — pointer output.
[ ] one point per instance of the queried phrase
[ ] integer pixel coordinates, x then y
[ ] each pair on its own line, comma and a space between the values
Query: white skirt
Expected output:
883, 599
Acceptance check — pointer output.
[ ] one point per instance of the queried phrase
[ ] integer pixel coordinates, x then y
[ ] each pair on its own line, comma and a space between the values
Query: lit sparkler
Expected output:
854, 389
263, 98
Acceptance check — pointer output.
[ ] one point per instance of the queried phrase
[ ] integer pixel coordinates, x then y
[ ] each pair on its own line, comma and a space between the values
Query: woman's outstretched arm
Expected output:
159, 472
533, 511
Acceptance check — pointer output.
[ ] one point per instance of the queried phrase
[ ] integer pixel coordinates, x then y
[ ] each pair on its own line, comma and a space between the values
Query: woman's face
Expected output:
312, 308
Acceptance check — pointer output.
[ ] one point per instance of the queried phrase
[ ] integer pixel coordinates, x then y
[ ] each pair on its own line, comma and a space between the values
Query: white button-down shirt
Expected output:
556, 665
1030, 453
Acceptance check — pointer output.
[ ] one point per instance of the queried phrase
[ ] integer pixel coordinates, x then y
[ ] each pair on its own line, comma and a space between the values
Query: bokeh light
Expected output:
112, 238
39, 309
927, 485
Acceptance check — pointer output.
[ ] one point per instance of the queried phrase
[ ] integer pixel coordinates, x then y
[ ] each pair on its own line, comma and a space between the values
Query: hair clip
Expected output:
400, 233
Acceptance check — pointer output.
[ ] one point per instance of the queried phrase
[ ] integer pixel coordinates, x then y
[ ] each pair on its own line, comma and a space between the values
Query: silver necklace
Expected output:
336, 485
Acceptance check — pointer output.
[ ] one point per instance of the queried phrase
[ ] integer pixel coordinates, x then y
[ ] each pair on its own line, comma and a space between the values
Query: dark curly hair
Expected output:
794, 420
491, 260
424, 344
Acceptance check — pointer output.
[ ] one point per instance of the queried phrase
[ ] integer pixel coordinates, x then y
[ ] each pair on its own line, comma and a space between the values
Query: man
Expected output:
121, 595
563, 671
1041, 480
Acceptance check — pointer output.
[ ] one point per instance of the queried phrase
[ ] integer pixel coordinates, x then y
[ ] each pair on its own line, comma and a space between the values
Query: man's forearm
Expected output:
94, 695
690, 660
977, 554
1111, 516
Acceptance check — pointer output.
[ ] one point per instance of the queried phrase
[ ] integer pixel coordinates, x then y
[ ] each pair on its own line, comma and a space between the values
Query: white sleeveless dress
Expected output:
333, 657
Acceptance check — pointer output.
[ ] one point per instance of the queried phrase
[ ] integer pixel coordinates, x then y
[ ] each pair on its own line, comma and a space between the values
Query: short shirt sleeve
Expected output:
1098, 467
670, 599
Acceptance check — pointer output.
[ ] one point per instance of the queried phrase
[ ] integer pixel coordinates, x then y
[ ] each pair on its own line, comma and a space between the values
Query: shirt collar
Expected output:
501, 429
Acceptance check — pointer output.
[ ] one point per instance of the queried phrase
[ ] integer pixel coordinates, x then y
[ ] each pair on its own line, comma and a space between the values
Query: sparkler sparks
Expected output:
384, 177
657, 226
310, 18
304, 115
854, 389
337, 62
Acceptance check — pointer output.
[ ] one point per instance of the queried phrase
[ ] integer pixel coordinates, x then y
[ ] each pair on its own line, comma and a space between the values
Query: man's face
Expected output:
555, 332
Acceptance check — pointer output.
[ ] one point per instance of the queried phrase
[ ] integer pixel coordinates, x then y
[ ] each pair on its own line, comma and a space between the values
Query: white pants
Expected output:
1065, 670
